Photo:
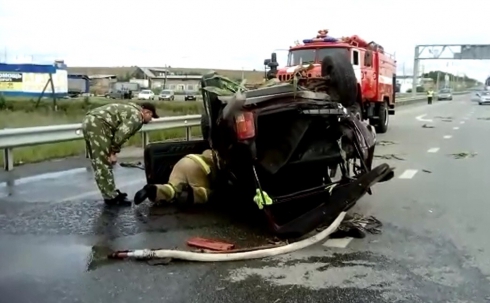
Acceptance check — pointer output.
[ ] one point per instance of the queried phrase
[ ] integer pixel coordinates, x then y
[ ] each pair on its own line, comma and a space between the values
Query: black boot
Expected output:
119, 200
148, 191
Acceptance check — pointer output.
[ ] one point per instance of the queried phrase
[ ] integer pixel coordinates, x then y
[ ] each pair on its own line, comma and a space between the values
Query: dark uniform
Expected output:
193, 171
430, 95
105, 130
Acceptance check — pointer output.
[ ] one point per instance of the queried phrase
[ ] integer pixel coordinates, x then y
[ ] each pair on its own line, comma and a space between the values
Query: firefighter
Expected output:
105, 130
193, 174
430, 95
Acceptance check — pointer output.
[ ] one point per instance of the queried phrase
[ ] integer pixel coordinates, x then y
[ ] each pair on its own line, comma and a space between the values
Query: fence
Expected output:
30, 136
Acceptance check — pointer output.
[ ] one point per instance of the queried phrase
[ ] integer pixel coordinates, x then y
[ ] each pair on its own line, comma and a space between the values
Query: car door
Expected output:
160, 157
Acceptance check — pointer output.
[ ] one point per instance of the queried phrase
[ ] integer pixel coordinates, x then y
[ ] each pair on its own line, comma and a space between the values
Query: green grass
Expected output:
23, 113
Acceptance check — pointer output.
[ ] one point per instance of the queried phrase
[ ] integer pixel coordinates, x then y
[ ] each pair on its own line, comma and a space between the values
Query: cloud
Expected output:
229, 34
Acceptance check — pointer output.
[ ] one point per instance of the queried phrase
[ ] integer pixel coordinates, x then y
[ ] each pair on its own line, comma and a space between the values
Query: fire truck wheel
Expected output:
343, 83
383, 120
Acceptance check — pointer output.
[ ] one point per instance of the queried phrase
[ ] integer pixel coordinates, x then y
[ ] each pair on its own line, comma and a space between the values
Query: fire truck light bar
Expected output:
327, 39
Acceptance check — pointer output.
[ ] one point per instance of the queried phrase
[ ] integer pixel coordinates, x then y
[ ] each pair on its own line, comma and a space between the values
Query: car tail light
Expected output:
245, 125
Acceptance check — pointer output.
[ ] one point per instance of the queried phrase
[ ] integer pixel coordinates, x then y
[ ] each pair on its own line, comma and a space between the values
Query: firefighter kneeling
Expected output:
192, 175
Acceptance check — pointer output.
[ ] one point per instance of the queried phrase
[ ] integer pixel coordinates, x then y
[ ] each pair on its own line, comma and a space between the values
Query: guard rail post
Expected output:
8, 159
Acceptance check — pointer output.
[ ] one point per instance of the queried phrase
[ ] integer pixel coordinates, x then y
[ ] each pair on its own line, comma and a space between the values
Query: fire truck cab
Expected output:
374, 69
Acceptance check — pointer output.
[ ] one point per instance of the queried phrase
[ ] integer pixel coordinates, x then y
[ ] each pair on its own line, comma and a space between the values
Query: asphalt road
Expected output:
432, 247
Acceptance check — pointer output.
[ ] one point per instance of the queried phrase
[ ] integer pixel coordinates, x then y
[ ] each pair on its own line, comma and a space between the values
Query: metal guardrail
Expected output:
30, 136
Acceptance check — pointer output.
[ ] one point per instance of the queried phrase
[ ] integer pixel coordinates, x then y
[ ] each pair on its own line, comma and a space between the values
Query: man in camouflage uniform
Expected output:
193, 173
105, 130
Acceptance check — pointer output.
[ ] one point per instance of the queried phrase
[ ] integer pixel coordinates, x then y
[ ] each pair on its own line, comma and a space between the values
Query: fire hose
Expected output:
223, 257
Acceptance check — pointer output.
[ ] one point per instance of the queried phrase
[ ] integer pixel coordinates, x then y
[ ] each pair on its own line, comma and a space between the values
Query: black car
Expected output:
286, 141
189, 97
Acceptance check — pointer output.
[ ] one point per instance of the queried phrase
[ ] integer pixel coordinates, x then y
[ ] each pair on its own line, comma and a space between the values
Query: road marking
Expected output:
421, 118
433, 150
96, 192
456, 128
338, 243
462, 122
408, 174
447, 137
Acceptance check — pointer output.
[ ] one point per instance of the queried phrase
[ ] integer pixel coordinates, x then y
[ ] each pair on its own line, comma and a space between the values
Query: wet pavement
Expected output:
432, 248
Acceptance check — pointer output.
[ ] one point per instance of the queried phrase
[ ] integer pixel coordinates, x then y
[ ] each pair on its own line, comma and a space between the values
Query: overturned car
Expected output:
293, 148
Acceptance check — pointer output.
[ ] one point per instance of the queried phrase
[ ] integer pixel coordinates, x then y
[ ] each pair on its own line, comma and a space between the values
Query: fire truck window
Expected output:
306, 56
355, 57
368, 58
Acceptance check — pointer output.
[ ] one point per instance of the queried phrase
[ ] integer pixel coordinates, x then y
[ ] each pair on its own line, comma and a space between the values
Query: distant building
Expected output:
164, 79
101, 84
406, 83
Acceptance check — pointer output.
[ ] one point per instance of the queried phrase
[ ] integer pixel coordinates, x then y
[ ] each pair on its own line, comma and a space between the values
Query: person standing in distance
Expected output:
105, 130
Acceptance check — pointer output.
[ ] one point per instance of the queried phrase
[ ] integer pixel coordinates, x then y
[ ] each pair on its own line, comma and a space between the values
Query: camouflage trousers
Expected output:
186, 172
98, 144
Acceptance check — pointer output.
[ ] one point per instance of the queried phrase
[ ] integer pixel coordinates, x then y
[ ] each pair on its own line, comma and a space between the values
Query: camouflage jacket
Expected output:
123, 120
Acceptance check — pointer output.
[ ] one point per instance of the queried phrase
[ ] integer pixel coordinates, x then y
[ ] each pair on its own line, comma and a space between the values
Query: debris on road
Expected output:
463, 155
356, 226
385, 143
444, 118
210, 244
426, 171
428, 126
389, 157
484, 118
132, 165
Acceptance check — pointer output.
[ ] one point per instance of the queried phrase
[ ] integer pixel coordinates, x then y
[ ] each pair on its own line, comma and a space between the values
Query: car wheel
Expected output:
343, 81
479, 103
172, 98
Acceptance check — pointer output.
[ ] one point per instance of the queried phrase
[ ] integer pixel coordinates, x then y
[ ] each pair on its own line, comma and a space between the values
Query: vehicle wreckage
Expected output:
285, 143
280, 145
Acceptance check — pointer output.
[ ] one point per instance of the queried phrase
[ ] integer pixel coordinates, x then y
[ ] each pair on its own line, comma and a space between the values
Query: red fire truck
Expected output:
374, 69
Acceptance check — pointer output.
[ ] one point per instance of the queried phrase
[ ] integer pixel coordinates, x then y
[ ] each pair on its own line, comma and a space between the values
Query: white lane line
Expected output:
462, 122
433, 150
408, 174
455, 128
447, 137
421, 118
340, 243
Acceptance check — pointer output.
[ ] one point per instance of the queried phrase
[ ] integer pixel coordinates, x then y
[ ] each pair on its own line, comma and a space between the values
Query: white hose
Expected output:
257, 254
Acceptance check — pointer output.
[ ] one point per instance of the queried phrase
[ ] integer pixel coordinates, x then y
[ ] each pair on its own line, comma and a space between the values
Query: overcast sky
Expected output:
231, 34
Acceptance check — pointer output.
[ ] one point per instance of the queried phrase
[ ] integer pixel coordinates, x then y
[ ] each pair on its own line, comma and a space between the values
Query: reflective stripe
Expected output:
201, 162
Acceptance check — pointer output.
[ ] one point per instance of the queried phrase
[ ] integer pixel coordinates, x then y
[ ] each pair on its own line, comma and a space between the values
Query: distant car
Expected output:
444, 94
146, 95
167, 94
484, 98
189, 97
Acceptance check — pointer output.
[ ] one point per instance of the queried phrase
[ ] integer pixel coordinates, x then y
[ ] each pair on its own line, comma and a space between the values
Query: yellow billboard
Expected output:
11, 81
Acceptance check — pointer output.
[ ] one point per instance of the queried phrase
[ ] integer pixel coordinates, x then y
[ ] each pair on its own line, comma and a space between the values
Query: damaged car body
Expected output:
282, 145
